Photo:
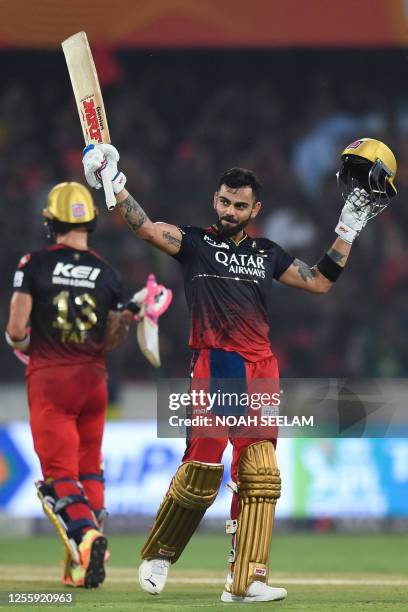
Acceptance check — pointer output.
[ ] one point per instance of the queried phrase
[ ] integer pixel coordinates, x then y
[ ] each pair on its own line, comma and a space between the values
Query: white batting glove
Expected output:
354, 215
136, 304
97, 157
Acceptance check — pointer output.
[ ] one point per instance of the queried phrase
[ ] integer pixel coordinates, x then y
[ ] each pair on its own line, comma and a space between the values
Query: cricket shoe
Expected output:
74, 576
153, 575
74, 573
257, 591
90, 573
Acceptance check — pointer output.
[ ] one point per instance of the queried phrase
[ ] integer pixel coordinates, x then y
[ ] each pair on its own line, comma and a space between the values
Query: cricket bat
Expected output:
156, 302
89, 100
147, 333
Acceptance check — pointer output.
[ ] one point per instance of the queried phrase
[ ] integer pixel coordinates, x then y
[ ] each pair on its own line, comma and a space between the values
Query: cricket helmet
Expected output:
369, 164
69, 205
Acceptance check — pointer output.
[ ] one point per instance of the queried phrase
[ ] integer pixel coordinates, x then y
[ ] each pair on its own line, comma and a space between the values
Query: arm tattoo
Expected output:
336, 256
133, 213
171, 239
305, 271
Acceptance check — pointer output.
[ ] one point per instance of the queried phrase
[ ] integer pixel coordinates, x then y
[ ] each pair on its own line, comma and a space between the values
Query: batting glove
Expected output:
137, 301
97, 157
354, 215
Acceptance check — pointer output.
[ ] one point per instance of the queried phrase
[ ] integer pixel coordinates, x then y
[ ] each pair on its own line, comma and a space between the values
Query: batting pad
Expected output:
71, 551
259, 487
192, 490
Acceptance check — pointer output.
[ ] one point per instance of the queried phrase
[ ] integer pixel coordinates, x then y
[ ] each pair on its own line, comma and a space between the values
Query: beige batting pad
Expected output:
193, 490
259, 487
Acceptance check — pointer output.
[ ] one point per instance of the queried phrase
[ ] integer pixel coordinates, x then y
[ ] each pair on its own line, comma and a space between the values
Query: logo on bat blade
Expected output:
91, 118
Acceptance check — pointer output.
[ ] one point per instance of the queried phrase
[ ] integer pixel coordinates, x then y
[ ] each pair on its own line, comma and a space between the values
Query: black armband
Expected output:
329, 268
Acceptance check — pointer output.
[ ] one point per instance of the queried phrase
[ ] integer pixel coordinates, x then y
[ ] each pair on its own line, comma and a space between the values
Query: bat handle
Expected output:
108, 189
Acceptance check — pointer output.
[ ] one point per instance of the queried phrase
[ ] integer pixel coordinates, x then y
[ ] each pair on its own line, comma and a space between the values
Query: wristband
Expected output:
133, 307
329, 268
20, 345
118, 182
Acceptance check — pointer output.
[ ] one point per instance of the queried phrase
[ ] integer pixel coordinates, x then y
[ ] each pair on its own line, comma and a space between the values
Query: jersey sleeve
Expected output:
117, 291
187, 248
283, 261
23, 280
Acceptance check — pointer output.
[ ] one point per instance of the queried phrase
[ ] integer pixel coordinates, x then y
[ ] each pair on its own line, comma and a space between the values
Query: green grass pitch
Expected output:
321, 573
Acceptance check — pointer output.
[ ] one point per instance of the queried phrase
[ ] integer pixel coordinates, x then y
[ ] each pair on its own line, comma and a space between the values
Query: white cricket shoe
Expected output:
257, 591
153, 575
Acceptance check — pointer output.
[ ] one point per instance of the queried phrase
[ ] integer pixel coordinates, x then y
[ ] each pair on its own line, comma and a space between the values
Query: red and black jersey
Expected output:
73, 292
228, 289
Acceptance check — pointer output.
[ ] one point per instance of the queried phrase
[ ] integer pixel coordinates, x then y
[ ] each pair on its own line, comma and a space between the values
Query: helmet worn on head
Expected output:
369, 164
69, 205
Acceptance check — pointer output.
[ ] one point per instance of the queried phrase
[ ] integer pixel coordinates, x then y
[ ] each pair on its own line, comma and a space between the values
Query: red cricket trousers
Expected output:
210, 364
67, 415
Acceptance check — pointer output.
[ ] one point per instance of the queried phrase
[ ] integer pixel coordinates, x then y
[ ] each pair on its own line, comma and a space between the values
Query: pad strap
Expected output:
98, 477
101, 516
63, 502
78, 525
69, 529
44, 492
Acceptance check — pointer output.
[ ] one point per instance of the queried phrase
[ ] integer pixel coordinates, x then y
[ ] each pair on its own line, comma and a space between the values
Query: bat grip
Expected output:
108, 189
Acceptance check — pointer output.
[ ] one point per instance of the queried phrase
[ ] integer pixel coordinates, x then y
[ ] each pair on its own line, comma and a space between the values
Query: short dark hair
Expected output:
240, 177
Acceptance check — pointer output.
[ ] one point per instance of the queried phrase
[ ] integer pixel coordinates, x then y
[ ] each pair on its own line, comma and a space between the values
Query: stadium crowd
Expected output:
179, 120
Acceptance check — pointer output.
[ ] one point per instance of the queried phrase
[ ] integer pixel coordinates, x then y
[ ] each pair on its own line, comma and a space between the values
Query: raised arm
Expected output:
310, 278
320, 277
164, 236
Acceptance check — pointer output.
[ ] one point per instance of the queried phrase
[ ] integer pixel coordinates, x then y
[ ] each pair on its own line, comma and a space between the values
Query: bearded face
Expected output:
228, 227
234, 209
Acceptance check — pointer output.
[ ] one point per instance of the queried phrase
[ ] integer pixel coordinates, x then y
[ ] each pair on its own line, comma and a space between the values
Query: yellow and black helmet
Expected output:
69, 205
372, 164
